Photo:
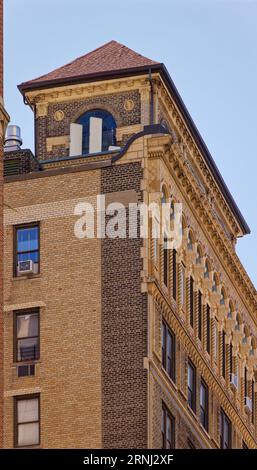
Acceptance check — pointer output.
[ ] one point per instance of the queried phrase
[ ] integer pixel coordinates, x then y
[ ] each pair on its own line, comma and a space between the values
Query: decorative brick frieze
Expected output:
49, 125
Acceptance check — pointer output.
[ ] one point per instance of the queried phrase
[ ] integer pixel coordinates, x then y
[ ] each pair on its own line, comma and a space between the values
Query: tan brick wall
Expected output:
68, 374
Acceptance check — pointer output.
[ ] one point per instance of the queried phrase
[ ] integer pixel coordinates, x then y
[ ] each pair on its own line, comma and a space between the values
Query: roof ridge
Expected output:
117, 54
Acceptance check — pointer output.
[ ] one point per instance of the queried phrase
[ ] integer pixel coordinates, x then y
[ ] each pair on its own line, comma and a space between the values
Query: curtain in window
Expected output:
28, 425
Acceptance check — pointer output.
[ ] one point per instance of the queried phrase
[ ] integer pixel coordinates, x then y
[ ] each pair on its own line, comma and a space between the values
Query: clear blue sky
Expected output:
208, 46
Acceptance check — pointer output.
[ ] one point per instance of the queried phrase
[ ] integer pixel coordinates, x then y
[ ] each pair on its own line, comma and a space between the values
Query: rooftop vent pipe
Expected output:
13, 139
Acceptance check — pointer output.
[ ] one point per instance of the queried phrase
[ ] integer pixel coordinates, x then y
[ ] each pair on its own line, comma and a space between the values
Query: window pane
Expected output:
27, 325
28, 256
169, 354
28, 434
190, 377
168, 432
27, 239
203, 396
28, 410
27, 349
163, 344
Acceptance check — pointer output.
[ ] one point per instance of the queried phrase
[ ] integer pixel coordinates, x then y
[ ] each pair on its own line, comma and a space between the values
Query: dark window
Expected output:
26, 247
225, 431
191, 302
26, 370
168, 351
204, 399
27, 421
200, 307
26, 335
174, 274
168, 429
165, 262
191, 385
208, 329
245, 383
230, 360
108, 129
253, 402
224, 354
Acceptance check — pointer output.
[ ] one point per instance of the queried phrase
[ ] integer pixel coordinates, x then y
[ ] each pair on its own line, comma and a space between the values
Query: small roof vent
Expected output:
13, 139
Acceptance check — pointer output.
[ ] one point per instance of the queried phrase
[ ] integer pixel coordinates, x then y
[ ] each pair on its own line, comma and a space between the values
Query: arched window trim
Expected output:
108, 128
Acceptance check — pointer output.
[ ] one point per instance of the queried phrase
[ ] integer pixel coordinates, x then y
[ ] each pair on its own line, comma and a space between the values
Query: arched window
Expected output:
164, 195
246, 334
207, 270
230, 310
198, 255
215, 283
253, 346
223, 297
238, 322
108, 126
190, 242
172, 210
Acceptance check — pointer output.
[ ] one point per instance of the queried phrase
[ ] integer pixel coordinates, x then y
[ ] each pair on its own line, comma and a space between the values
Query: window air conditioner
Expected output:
26, 370
25, 267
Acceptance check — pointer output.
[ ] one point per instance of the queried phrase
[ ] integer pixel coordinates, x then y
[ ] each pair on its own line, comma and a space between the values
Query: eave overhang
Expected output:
161, 69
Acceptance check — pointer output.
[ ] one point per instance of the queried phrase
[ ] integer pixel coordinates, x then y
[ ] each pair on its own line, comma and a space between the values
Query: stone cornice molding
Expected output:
174, 157
195, 155
75, 92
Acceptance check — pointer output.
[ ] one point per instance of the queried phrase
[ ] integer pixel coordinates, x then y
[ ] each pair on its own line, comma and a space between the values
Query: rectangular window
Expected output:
204, 402
168, 429
253, 402
208, 329
230, 360
26, 246
168, 351
216, 340
200, 308
26, 334
225, 431
183, 285
191, 385
27, 421
224, 354
174, 274
191, 302
165, 262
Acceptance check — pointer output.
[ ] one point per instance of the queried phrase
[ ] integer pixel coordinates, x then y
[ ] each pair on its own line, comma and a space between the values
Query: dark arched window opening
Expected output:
108, 129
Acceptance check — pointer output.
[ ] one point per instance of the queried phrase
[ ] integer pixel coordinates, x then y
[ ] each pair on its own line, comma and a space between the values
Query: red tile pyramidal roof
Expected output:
112, 56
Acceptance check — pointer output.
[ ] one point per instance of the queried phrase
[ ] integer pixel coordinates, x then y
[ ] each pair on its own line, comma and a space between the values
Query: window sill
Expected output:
192, 412
169, 379
27, 276
27, 363
205, 431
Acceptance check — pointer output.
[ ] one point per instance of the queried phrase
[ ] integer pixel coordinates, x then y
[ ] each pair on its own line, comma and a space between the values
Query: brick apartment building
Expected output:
113, 343
4, 118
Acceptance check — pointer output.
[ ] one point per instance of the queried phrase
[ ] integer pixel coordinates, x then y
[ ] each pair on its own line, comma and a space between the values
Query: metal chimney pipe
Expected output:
13, 140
